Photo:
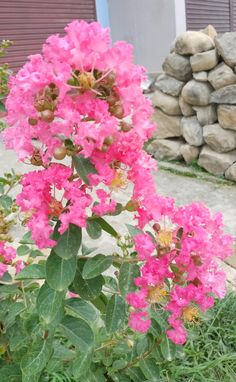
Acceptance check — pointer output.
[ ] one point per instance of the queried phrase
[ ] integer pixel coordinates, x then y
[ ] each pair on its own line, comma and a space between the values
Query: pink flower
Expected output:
138, 299
3, 269
19, 265
144, 245
139, 322
177, 335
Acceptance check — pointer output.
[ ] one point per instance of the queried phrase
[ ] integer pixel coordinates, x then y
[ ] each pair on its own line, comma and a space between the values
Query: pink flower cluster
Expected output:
186, 254
38, 199
7, 259
82, 98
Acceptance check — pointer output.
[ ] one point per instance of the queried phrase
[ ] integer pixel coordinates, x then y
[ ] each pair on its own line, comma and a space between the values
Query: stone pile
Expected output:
195, 102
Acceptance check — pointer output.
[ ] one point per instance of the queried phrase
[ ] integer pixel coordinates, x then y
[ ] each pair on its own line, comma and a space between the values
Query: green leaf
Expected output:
27, 238
35, 253
115, 314
95, 266
69, 242
6, 202
150, 369
10, 373
128, 272
80, 308
13, 311
133, 231
87, 289
119, 364
2, 107
100, 303
107, 227
135, 374
32, 271
50, 304
23, 250
34, 361
83, 167
168, 349
8, 290
78, 332
96, 376
86, 251
60, 272
81, 364
93, 229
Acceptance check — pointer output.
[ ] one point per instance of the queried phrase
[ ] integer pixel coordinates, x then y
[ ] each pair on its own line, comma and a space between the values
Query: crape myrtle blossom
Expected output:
8, 260
82, 99
188, 260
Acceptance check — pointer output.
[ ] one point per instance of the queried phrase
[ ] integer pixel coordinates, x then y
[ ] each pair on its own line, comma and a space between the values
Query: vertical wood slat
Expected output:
219, 13
28, 23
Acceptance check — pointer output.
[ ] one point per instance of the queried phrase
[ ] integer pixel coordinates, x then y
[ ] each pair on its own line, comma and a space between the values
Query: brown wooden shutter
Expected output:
233, 14
200, 13
29, 22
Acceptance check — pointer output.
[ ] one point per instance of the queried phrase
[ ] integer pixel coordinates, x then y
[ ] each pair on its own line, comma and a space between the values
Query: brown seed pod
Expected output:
125, 126
39, 105
32, 121
47, 116
36, 159
109, 140
117, 110
104, 148
112, 99
59, 153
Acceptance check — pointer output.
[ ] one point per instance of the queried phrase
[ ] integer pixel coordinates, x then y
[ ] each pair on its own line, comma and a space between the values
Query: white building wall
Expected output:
102, 13
147, 24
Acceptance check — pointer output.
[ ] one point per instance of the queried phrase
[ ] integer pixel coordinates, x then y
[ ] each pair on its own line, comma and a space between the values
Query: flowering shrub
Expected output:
77, 111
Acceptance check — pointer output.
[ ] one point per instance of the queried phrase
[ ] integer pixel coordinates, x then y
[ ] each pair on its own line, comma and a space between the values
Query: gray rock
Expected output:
214, 162
219, 139
169, 85
192, 131
167, 103
227, 116
204, 61
178, 67
167, 125
186, 109
222, 75
193, 42
197, 93
231, 172
224, 95
225, 45
189, 153
168, 149
206, 115
200, 76
210, 31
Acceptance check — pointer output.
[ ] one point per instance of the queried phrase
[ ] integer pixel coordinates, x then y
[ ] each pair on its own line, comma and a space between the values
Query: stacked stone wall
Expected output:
195, 102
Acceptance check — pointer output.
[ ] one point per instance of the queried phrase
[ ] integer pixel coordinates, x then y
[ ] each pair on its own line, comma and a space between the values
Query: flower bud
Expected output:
109, 140
104, 148
86, 80
132, 206
32, 121
130, 343
59, 153
117, 110
36, 159
47, 116
126, 127
156, 227
112, 99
